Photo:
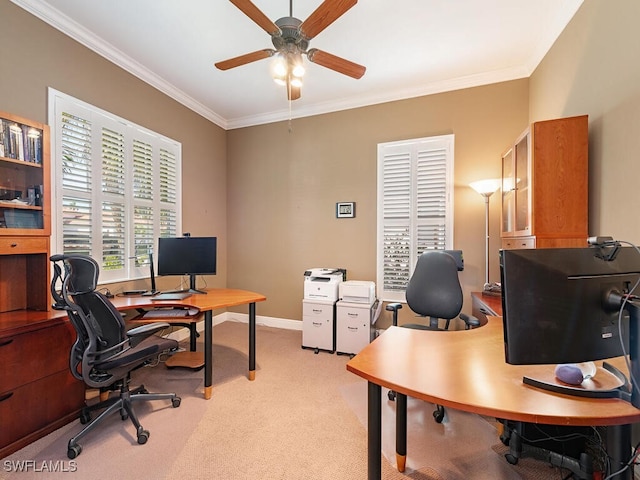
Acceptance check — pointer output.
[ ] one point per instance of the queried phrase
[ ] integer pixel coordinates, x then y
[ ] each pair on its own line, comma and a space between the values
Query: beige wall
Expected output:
283, 187
593, 69
36, 56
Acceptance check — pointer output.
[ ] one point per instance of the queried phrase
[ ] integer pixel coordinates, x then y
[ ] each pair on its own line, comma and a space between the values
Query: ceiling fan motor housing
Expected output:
290, 38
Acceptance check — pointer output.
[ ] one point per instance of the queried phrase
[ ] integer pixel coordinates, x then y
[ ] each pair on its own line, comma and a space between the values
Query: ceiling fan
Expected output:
290, 37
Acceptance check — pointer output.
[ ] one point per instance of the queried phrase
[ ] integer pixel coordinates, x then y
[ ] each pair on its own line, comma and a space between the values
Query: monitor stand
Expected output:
628, 390
192, 287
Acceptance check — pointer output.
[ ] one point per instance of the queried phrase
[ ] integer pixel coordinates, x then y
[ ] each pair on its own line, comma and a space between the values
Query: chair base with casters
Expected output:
469, 322
561, 446
123, 403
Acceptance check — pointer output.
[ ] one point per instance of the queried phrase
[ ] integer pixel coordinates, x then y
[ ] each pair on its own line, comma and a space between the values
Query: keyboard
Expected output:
171, 313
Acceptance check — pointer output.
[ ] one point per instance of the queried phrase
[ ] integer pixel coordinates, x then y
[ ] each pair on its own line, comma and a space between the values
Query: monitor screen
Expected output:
187, 255
557, 304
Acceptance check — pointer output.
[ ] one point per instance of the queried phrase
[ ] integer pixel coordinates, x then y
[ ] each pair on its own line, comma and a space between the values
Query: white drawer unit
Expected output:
354, 326
318, 325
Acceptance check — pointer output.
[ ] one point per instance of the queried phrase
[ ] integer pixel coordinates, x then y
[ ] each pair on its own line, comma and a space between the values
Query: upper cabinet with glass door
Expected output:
24, 176
545, 186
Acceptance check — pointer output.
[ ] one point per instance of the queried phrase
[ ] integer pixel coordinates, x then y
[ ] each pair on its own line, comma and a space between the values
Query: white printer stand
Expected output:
354, 326
318, 308
318, 326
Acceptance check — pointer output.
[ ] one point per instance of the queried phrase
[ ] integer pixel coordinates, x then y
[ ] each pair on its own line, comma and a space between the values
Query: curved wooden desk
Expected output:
215, 298
474, 377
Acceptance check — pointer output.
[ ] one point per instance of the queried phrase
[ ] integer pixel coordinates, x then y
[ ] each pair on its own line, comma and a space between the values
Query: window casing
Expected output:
115, 187
415, 207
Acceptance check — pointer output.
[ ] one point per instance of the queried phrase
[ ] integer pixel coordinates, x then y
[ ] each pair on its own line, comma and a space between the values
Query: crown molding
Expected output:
64, 24
53, 17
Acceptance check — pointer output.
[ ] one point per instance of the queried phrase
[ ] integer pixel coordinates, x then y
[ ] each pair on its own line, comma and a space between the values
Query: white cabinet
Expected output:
354, 326
318, 325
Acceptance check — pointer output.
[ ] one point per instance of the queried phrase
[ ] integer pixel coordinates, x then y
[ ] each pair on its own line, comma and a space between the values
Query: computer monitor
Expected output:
187, 255
569, 305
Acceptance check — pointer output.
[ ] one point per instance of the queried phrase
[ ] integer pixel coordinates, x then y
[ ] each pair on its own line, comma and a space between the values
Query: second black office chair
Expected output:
105, 353
434, 293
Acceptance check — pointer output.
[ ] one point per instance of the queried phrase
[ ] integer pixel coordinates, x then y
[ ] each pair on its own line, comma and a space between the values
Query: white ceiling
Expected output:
410, 48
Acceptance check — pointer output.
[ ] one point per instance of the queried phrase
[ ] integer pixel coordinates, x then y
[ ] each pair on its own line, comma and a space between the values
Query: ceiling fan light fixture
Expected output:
279, 66
298, 70
296, 82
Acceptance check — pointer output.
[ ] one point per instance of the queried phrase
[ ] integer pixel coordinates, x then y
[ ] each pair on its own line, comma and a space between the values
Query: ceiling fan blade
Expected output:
244, 59
293, 93
323, 16
255, 14
338, 64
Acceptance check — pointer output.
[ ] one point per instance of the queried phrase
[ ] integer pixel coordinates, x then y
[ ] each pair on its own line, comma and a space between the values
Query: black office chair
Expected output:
434, 292
105, 353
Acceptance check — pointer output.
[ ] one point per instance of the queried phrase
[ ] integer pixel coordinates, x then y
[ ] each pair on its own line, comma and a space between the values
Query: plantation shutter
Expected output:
77, 181
414, 207
116, 188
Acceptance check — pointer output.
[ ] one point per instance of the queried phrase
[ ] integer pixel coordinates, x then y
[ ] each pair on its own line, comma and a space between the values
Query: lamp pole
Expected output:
486, 188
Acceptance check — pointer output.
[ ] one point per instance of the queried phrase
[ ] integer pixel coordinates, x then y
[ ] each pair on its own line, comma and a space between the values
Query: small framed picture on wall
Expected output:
345, 209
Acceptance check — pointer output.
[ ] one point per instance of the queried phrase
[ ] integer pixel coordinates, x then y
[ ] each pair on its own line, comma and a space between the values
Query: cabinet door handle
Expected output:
5, 342
13, 245
6, 396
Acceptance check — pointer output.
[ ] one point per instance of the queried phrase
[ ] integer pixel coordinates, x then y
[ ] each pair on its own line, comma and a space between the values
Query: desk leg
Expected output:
619, 450
375, 432
401, 431
252, 341
208, 354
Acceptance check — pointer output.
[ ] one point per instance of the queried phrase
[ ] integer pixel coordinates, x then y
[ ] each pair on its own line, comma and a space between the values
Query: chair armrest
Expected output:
138, 334
470, 321
394, 307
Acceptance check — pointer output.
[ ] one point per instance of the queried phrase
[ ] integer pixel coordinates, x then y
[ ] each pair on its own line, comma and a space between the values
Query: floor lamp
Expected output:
486, 188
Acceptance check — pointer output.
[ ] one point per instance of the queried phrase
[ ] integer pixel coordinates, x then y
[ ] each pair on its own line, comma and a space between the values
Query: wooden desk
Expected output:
215, 298
473, 377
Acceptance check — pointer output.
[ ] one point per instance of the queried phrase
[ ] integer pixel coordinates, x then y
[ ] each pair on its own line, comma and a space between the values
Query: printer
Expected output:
322, 283
357, 291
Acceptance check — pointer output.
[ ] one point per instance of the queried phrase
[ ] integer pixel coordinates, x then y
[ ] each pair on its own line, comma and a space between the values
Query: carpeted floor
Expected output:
304, 416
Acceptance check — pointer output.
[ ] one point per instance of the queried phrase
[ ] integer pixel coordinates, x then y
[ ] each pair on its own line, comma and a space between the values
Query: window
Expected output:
115, 187
415, 207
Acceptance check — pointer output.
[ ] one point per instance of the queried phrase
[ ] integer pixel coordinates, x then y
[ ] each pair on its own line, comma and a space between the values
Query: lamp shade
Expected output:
486, 187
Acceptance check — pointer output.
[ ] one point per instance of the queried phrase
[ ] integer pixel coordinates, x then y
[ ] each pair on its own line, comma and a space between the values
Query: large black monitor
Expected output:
569, 305
187, 256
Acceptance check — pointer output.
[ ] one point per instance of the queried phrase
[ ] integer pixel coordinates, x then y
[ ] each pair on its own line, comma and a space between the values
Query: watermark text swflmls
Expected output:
44, 466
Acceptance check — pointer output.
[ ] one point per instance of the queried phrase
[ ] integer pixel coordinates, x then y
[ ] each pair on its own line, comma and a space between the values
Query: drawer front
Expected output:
353, 316
33, 355
518, 243
317, 311
45, 400
21, 245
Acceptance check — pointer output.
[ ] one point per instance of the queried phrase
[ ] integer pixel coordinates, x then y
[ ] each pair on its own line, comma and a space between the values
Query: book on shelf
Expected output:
20, 142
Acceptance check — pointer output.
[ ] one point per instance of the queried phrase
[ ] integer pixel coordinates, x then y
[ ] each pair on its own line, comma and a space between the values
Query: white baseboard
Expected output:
284, 323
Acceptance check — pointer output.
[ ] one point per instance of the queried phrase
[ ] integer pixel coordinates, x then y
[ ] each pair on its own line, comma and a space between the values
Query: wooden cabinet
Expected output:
545, 186
37, 392
24, 177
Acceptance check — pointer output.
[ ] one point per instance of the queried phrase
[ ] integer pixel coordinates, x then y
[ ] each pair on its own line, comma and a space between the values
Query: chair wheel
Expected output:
438, 415
73, 451
511, 458
85, 417
392, 395
143, 436
176, 402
